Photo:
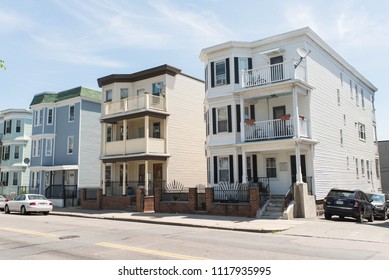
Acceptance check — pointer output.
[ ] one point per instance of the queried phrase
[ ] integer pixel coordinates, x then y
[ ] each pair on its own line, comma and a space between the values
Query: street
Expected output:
39, 237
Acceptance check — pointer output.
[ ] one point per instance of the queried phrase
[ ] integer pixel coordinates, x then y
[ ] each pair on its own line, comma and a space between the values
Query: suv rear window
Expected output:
342, 193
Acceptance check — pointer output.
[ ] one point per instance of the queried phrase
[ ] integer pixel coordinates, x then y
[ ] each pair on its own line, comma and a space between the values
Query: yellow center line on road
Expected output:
147, 251
29, 232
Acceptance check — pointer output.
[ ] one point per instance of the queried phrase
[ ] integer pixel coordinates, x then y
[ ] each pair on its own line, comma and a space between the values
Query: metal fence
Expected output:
231, 192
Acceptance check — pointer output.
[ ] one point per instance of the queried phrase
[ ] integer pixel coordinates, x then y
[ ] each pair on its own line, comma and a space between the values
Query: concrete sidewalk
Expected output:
204, 221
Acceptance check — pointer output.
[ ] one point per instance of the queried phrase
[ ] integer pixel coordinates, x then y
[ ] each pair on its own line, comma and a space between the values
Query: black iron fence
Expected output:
69, 193
231, 192
174, 191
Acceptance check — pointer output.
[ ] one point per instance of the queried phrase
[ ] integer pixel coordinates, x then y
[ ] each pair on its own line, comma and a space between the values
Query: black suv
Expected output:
348, 203
381, 204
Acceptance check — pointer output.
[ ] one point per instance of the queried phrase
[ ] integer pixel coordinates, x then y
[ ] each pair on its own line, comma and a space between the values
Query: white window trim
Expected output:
49, 152
220, 82
52, 116
74, 113
68, 145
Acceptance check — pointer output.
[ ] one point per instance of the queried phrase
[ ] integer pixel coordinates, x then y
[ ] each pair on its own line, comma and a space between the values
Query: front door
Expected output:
279, 127
157, 175
276, 68
294, 169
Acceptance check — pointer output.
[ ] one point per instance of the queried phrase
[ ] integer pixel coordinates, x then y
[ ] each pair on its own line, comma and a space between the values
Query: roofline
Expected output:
138, 76
306, 31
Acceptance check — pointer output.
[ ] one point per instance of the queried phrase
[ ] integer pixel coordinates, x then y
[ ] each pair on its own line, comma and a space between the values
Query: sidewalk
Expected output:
204, 221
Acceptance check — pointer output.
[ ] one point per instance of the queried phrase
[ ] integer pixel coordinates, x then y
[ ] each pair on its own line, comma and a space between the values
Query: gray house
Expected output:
65, 144
383, 148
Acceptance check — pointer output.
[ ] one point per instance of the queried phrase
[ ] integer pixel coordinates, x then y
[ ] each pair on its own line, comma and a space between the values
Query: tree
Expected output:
2, 64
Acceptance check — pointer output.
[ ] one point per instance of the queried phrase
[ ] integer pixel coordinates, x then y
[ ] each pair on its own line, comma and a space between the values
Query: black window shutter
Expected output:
215, 169
231, 169
255, 172
214, 128
236, 70
229, 116
252, 112
238, 117
228, 70
212, 74
240, 168
250, 61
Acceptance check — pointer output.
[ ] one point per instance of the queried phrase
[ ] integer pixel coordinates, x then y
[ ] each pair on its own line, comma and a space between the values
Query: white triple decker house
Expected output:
288, 109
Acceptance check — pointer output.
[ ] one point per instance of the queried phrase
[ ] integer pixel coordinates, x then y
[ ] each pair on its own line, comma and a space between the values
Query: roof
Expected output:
138, 76
306, 31
52, 97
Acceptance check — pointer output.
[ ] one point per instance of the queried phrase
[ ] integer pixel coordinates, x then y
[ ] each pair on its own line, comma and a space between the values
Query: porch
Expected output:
134, 104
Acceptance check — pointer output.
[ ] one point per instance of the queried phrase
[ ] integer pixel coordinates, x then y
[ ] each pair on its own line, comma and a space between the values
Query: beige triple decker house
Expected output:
153, 131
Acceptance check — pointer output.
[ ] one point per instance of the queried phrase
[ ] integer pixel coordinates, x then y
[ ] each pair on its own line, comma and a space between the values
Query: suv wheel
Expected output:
327, 216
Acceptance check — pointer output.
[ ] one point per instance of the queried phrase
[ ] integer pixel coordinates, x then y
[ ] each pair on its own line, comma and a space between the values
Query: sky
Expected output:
55, 45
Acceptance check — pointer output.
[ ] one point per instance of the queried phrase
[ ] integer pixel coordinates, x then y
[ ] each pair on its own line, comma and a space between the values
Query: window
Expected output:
38, 115
50, 116
362, 98
220, 70
222, 119
123, 93
157, 130
71, 113
17, 152
70, 145
109, 133
356, 167
49, 147
108, 95
4, 178
361, 131
15, 179
248, 164
338, 95
368, 169
18, 126
7, 126
224, 172
377, 167
6, 151
271, 168
351, 89
36, 148
356, 95
362, 167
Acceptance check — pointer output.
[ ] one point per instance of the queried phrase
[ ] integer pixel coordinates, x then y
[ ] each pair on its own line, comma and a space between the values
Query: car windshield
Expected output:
342, 194
36, 197
377, 198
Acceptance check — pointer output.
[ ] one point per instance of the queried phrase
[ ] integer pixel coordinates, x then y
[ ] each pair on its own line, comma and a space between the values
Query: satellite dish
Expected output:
26, 161
302, 52
160, 85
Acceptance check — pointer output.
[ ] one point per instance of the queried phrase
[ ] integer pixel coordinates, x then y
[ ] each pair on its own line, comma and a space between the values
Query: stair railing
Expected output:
288, 197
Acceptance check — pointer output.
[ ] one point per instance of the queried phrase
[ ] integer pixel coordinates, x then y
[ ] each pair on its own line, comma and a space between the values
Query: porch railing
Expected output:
144, 102
272, 73
273, 129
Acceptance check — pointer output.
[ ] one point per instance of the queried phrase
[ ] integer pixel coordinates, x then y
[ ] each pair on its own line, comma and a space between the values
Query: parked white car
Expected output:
2, 202
26, 203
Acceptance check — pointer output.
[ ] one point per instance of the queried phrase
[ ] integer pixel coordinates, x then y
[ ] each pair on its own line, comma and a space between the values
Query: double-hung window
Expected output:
49, 147
361, 131
71, 113
271, 168
8, 126
222, 119
18, 126
224, 172
50, 116
6, 151
108, 95
17, 152
220, 72
70, 145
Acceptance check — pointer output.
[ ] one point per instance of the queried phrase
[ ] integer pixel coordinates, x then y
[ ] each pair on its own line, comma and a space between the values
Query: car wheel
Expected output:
385, 217
6, 209
360, 217
46, 213
327, 216
371, 218
23, 210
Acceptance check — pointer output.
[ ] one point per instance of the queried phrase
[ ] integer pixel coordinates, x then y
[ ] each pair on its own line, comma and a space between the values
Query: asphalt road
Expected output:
38, 237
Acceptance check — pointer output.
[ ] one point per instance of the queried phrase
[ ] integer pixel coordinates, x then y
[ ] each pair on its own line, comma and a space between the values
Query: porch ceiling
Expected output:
134, 157
133, 115
277, 145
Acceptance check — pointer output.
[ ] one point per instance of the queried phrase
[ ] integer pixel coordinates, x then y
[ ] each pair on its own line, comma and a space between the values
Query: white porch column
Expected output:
147, 133
103, 177
124, 136
244, 167
299, 176
236, 166
124, 178
103, 137
296, 118
242, 131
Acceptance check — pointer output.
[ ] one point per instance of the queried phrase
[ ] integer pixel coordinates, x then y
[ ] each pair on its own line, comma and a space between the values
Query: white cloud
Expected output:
11, 22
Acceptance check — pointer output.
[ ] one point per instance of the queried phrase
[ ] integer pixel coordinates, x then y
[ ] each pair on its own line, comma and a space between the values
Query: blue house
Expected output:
65, 144
15, 134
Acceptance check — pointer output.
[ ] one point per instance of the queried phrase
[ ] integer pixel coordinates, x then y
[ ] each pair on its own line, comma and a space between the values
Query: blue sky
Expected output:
54, 45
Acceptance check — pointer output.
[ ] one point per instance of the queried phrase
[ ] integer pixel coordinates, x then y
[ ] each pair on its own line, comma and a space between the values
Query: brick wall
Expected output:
105, 202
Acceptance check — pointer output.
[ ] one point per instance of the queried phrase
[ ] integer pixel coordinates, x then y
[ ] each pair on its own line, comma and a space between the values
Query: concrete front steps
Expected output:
273, 208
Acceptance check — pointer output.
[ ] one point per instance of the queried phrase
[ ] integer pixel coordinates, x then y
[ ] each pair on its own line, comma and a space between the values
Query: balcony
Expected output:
274, 129
272, 74
135, 104
135, 146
